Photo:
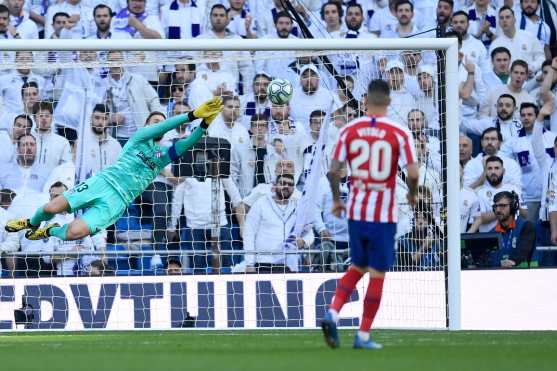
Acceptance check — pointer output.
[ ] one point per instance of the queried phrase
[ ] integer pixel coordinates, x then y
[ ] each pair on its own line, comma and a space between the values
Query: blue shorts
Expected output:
372, 244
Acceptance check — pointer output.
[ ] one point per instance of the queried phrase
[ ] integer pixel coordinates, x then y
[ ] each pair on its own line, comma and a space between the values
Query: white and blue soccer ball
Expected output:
280, 91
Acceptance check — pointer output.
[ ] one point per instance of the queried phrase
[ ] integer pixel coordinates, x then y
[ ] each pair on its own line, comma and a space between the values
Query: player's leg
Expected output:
381, 257
346, 284
42, 214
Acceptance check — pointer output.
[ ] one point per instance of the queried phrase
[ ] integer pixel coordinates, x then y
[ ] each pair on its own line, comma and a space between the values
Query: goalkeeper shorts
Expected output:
372, 244
103, 206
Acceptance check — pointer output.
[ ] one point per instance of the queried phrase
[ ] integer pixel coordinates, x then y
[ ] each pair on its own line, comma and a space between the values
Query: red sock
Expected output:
345, 287
371, 302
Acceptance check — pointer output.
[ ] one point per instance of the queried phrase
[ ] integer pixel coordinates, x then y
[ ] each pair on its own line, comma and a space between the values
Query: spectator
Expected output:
266, 62
548, 89
195, 197
354, 21
253, 163
443, 14
483, 21
238, 64
309, 96
106, 149
25, 172
258, 102
401, 100
518, 235
504, 121
417, 125
473, 49
465, 149
213, 77
421, 247
22, 124
520, 43
475, 170
426, 98
332, 231
515, 87
25, 28
404, 13
59, 22
52, 149
130, 98
499, 72
65, 265
7, 32
267, 229
228, 124
494, 184
80, 23
102, 16
331, 15
182, 130
411, 60
531, 22
469, 205
266, 16
173, 266
137, 22
8, 241
182, 19
471, 90
384, 20
242, 22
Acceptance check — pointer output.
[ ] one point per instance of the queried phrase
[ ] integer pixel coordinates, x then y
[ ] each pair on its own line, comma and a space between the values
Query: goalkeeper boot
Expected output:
366, 344
16, 225
41, 233
330, 332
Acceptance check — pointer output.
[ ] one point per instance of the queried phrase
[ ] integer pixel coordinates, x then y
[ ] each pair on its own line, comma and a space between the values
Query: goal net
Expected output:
237, 232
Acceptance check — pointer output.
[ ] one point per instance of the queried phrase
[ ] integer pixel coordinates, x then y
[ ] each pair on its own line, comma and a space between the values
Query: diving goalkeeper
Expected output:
107, 194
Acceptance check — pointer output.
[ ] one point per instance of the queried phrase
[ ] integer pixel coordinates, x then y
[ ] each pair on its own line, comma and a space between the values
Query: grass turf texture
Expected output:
276, 350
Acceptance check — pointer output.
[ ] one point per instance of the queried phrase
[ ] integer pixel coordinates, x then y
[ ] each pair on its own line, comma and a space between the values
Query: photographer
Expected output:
517, 234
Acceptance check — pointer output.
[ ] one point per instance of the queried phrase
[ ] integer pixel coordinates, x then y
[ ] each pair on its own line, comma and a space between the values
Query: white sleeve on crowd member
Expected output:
253, 219
476, 126
232, 191
177, 203
199, 93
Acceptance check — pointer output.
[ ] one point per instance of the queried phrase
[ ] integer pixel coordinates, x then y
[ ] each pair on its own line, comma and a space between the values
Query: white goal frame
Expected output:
449, 46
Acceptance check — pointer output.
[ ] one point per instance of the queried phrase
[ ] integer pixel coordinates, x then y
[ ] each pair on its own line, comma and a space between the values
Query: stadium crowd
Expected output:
508, 127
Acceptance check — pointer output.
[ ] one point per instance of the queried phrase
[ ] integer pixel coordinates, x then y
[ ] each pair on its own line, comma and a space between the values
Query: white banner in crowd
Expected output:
218, 302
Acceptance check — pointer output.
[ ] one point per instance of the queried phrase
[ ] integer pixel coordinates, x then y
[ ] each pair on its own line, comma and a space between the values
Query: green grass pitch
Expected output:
287, 350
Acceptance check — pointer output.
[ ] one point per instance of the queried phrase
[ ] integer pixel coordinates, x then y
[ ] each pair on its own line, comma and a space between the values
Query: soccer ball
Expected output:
279, 91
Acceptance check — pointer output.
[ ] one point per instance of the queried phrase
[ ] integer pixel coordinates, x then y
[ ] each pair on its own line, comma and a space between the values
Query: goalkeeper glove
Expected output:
208, 109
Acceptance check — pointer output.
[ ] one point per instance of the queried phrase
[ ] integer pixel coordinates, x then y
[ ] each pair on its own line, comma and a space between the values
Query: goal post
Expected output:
449, 215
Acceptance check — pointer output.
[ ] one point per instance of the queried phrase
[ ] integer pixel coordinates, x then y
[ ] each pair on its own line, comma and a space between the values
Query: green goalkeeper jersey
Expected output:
142, 159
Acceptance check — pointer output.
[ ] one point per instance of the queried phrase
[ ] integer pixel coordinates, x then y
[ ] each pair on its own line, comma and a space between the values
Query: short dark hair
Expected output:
526, 105
218, 6
281, 14
57, 184
26, 118
317, 113
60, 14
489, 130
102, 6
500, 49
6, 194
494, 159
228, 95
521, 63
404, 2
43, 106
103, 108
450, 2
353, 4
155, 113
258, 75
29, 84
462, 13
4, 9
339, 9
259, 117
378, 92
546, 63
509, 97
506, 7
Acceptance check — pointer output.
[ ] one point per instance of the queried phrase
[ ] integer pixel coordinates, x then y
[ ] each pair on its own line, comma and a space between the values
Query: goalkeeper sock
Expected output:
371, 302
345, 287
40, 216
59, 232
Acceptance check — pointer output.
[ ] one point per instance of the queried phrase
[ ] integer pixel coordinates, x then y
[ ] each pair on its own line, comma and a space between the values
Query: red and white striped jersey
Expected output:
373, 149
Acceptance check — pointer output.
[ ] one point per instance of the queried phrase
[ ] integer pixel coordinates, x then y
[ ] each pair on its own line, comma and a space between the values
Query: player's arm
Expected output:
208, 110
412, 177
334, 176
